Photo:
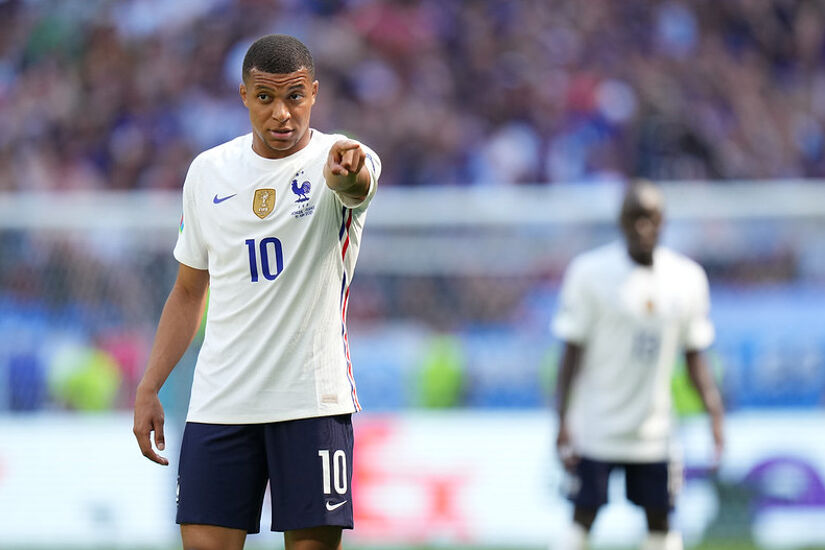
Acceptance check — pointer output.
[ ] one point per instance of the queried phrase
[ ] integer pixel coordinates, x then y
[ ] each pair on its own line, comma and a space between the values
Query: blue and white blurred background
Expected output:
506, 130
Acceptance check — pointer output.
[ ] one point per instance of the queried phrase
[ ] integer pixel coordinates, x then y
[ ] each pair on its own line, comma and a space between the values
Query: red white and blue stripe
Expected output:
343, 238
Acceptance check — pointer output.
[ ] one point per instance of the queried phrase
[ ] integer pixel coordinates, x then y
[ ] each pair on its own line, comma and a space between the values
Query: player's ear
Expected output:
314, 91
242, 91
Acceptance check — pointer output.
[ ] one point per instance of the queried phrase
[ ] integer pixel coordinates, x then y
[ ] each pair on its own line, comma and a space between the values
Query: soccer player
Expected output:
627, 310
272, 223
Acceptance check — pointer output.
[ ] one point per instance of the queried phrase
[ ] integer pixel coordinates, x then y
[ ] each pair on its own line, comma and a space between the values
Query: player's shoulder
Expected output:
327, 140
227, 152
323, 141
596, 260
680, 263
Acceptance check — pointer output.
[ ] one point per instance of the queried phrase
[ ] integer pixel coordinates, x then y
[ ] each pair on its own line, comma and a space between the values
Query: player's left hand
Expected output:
346, 158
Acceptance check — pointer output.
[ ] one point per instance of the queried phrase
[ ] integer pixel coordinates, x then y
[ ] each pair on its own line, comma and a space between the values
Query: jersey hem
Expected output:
614, 455
266, 419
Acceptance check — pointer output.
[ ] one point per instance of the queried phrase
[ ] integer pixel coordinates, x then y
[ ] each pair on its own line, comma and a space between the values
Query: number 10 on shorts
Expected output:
335, 474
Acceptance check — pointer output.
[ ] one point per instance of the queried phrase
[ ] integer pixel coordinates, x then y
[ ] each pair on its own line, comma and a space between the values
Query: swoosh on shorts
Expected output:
331, 506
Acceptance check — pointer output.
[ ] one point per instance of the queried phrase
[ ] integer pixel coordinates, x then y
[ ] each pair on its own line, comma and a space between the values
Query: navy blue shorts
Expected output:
224, 470
652, 485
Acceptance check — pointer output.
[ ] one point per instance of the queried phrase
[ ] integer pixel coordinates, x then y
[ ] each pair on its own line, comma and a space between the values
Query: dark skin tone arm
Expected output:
177, 327
570, 361
702, 380
699, 374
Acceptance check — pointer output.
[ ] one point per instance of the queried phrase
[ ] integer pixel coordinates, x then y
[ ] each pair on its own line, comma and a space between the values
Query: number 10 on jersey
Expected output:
263, 250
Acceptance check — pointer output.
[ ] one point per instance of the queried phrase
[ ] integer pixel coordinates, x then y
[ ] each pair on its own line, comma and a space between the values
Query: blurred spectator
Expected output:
96, 93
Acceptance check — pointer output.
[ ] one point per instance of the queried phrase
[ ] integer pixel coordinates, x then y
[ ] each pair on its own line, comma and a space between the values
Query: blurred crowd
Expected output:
76, 330
122, 94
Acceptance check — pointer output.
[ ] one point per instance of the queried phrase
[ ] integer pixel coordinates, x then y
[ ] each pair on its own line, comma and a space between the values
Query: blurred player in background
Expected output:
626, 311
272, 223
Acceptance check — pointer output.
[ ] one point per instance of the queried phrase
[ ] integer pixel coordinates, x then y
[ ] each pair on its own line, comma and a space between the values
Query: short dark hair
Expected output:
642, 192
278, 54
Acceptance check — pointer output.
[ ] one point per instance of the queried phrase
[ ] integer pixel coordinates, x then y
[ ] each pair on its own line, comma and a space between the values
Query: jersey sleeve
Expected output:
698, 332
573, 319
191, 248
373, 164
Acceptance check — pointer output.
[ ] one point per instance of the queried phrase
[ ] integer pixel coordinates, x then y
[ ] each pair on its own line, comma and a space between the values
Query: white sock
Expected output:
573, 538
672, 540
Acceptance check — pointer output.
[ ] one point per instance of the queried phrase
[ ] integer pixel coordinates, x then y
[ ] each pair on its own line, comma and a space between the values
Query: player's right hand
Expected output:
718, 432
346, 158
564, 446
148, 419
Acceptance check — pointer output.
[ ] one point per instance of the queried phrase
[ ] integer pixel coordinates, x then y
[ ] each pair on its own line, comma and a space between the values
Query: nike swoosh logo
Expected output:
217, 200
331, 506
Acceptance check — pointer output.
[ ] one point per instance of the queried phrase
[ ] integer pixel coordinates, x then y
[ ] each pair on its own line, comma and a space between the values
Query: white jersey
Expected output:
632, 323
280, 248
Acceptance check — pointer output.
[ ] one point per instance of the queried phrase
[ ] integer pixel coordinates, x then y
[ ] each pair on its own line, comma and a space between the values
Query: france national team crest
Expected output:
301, 191
264, 202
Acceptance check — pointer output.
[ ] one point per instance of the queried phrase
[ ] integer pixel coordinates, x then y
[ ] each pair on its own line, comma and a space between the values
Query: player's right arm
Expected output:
572, 325
178, 324
569, 366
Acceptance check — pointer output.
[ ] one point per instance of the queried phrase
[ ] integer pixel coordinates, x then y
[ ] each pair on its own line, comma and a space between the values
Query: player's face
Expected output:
279, 108
641, 226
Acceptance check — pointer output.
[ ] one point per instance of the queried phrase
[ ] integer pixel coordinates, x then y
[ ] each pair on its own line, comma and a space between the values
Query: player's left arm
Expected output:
346, 171
698, 336
702, 379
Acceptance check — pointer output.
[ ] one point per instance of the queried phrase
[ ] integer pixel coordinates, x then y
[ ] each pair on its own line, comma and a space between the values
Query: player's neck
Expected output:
643, 259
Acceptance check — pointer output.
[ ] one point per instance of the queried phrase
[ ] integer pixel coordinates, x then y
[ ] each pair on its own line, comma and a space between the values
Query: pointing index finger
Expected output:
347, 145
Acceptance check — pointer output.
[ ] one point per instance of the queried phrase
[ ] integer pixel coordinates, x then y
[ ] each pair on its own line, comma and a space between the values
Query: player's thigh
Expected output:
222, 476
586, 486
314, 538
211, 537
310, 472
654, 485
